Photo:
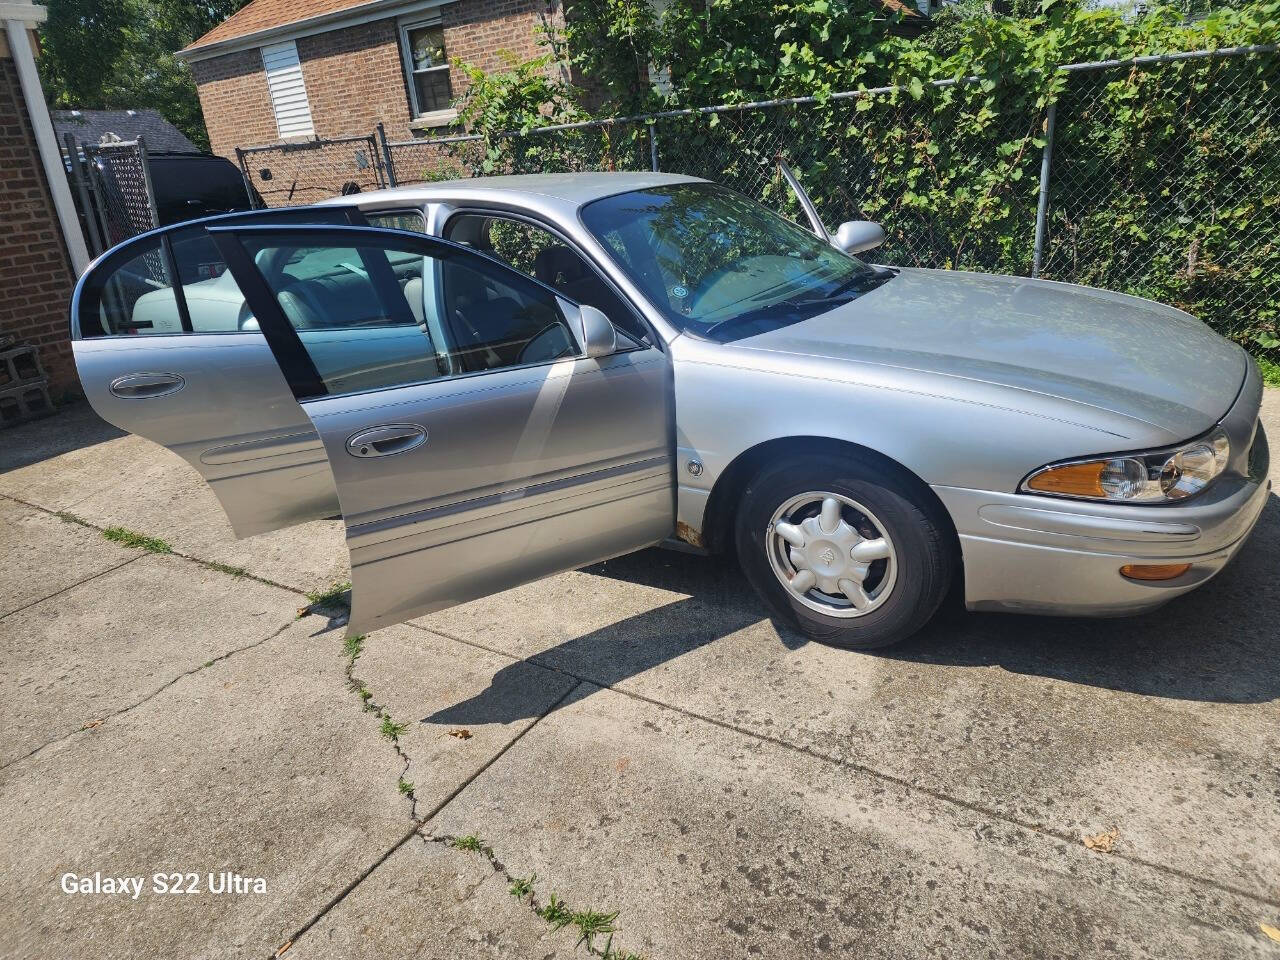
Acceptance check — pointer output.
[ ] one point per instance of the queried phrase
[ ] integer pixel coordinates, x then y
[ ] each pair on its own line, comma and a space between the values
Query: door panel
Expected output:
182, 365
494, 470
523, 473
234, 420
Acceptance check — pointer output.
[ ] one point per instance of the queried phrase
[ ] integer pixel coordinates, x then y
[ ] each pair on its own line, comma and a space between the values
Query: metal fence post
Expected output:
82, 194
653, 147
1042, 209
146, 180
98, 193
387, 163
244, 172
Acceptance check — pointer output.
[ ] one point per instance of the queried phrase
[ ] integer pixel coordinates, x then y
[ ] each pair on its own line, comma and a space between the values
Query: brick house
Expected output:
42, 248
285, 69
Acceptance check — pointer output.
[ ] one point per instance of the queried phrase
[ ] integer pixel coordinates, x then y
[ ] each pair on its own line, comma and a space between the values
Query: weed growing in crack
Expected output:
470, 842
130, 538
366, 695
406, 786
592, 924
331, 596
522, 887
595, 927
225, 568
353, 647
556, 913
392, 730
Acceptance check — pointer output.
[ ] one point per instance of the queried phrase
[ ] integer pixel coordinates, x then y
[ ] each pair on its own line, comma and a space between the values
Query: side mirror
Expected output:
855, 236
599, 339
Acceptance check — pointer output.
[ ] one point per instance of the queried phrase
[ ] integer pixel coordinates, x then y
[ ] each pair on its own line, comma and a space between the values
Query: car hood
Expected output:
1105, 350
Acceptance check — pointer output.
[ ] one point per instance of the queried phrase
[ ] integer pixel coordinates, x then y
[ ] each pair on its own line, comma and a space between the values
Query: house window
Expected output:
288, 92
427, 68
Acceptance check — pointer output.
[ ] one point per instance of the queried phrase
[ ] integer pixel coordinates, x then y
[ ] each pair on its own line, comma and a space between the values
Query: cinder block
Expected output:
27, 401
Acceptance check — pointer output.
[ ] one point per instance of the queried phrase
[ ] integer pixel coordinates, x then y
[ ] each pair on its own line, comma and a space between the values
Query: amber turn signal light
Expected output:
1154, 571
1072, 480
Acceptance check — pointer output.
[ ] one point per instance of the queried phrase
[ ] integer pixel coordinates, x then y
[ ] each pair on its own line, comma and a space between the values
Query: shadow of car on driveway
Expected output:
1216, 644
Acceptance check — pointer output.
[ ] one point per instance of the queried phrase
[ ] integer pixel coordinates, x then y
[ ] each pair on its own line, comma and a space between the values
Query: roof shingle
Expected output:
266, 14
90, 126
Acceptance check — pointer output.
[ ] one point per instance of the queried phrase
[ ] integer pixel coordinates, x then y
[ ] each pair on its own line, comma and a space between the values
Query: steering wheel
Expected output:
549, 343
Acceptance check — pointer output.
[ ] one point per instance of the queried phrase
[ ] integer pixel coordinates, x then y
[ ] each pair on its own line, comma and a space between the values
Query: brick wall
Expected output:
35, 272
354, 75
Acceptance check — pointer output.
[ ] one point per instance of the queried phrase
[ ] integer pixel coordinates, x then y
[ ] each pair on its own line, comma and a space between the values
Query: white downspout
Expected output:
46, 142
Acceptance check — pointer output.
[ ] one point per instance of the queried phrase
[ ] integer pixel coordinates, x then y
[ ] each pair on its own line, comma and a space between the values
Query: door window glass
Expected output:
541, 254
373, 314
132, 296
398, 220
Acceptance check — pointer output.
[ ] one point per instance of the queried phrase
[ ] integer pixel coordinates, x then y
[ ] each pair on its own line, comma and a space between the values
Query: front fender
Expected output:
945, 430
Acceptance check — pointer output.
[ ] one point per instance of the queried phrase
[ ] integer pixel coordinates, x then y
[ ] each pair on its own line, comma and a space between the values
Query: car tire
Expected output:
899, 590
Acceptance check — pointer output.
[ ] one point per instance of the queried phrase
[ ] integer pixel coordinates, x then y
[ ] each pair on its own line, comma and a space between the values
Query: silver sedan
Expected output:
497, 379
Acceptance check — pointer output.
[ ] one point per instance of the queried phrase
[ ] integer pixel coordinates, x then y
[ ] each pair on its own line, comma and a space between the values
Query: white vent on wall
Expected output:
288, 92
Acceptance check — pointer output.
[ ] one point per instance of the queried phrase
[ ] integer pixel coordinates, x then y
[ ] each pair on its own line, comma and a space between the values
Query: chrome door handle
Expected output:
385, 441
143, 386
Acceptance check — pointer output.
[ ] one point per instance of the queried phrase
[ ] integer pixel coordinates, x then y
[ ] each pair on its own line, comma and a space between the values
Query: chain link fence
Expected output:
1164, 182
113, 192
1158, 176
288, 174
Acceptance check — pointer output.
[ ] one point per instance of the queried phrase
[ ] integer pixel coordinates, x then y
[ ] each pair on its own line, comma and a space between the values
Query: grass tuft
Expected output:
130, 538
522, 887
592, 924
556, 913
392, 730
225, 568
406, 786
470, 842
331, 596
353, 647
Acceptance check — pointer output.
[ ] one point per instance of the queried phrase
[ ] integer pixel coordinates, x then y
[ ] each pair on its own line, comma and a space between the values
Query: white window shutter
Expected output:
288, 92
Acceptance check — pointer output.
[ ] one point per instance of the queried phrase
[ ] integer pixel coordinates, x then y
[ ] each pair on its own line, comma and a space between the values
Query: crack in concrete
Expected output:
418, 823
215, 565
889, 778
150, 696
531, 899
78, 583
370, 705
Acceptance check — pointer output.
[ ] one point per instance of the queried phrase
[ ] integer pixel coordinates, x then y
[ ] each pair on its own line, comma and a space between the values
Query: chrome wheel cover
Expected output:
832, 554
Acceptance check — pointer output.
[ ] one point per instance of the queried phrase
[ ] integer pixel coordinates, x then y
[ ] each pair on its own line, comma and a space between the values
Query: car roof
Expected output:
572, 189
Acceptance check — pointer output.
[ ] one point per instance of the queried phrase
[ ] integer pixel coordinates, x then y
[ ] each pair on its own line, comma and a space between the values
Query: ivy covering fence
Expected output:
1144, 151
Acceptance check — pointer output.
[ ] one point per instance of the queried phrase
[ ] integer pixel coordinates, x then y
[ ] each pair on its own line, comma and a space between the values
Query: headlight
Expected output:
1158, 477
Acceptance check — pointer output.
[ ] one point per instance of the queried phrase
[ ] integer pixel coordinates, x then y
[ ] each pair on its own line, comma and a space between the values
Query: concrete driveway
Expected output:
631, 747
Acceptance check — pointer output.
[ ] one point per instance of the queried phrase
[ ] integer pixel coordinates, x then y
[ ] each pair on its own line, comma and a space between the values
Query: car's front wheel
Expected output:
853, 554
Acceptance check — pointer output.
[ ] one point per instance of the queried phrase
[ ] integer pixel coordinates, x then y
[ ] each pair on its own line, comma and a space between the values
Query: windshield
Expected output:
720, 265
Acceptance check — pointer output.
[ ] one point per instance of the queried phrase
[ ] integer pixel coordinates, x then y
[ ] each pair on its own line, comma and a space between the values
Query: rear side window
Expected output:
136, 297
398, 220
132, 292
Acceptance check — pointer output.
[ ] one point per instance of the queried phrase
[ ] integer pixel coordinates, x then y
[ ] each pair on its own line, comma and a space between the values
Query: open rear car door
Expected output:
166, 347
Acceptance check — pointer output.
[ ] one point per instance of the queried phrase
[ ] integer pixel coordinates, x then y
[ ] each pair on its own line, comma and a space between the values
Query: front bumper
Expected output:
1040, 555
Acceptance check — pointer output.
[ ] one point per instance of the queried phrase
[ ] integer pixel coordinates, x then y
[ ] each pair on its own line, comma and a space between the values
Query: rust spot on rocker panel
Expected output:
688, 534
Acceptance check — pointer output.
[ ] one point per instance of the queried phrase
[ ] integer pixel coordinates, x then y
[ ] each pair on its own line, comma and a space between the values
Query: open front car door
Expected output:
473, 442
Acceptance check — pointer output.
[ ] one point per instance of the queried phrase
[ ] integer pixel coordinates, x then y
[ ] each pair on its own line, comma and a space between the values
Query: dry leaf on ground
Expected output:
1270, 931
461, 734
1103, 842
